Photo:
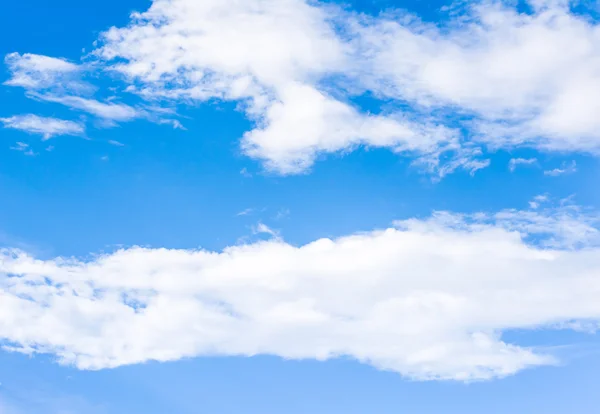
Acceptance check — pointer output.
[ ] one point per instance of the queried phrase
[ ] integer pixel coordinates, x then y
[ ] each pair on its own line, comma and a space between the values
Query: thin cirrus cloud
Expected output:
59, 81
24, 148
116, 112
47, 127
427, 298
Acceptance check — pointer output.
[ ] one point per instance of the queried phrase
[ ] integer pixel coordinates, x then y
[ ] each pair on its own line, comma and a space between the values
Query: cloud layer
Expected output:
502, 70
488, 77
425, 298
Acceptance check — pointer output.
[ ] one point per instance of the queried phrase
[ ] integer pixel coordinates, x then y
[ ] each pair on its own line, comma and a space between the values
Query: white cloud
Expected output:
32, 71
109, 111
47, 127
426, 298
508, 69
521, 79
262, 228
270, 55
515, 162
538, 200
569, 168
57, 80
529, 78
227, 49
245, 212
306, 122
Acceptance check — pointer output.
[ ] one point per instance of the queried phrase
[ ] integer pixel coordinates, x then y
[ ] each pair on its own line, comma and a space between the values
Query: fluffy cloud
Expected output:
523, 78
270, 55
231, 49
425, 298
306, 122
47, 127
489, 77
528, 78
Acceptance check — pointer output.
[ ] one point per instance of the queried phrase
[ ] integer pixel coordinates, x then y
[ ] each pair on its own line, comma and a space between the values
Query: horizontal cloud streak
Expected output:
45, 126
426, 298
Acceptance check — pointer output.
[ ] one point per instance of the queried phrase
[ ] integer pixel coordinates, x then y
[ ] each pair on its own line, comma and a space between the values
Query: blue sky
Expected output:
280, 205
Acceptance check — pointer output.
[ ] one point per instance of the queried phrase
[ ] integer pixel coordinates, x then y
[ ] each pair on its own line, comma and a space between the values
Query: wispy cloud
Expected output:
59, 81
245, 212
24, 148
35, 72
115, 112
262, 228
566, 168
538, 200
44, 126
515, 162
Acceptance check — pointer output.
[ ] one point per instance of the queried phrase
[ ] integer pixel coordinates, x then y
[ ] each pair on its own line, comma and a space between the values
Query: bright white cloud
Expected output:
306, 122
232, 49
426, 298
530, 78
47, 127
521, 79
32, 71
270, 55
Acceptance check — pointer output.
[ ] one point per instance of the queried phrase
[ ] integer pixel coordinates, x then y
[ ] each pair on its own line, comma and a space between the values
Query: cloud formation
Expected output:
272, 56
427, 298
528, 78
489, 77
295, 64
566, 168
45, 126
32, 71
515, 162
59, 81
